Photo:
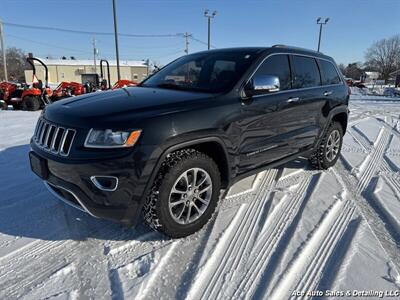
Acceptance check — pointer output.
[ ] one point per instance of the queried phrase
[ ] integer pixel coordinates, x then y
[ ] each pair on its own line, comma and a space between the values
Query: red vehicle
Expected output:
106, 83
68, 89
124, 83
8, 92
25, 97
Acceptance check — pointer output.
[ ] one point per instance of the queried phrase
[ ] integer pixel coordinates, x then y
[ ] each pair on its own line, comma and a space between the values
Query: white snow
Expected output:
285, 231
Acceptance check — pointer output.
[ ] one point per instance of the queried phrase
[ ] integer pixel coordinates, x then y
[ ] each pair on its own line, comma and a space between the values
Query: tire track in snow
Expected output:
305, 272
373, 160
235, 240
274, 229
151, 283
393, 128
33, 264
375, 223
364, 143
395, 184
314, 269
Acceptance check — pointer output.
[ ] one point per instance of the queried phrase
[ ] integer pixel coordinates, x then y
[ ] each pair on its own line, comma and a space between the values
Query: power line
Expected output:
201, 42
48, 45
135, 52
91, 32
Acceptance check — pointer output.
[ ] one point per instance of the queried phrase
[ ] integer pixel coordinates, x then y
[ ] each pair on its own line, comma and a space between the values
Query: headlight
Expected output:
108, 138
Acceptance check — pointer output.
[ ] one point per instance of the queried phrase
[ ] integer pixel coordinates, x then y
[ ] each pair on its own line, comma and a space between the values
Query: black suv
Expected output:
167, 147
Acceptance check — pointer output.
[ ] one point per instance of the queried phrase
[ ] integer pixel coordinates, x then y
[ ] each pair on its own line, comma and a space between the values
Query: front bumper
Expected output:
72, 184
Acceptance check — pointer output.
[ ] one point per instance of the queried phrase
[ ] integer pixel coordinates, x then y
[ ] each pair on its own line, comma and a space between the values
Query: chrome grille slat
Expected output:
46, 141
52, 138
53, 142
42, 135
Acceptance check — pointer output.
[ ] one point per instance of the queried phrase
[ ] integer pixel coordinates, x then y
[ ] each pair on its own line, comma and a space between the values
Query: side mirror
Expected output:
262, 84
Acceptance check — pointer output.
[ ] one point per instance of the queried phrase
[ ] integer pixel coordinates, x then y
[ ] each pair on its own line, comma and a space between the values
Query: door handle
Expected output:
293, 99
328, 93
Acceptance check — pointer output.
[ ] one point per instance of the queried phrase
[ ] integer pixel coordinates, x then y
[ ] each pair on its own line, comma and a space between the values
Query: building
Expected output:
72, 69
370, 77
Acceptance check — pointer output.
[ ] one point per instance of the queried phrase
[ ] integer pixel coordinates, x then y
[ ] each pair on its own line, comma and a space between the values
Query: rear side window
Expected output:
328, 73
277, 65
305, 71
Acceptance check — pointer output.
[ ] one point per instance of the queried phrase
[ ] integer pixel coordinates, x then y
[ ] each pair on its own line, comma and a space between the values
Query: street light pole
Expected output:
94, 54
3, 49
116, 40
209, 16
187, 36
320, 30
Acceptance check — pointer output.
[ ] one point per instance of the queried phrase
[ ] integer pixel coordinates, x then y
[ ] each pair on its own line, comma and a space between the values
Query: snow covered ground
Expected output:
287, 230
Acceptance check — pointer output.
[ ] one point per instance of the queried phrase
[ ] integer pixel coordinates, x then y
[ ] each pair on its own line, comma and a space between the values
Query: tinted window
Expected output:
306, 73
277, 65
328, 73
212, 72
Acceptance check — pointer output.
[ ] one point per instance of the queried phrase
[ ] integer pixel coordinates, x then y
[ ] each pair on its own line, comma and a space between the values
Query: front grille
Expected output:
53, 138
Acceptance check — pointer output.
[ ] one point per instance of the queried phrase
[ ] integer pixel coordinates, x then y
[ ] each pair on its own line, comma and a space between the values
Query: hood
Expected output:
119, 106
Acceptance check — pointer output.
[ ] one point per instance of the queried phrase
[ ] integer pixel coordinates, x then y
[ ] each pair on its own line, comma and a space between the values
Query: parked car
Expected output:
391, 92
169, 146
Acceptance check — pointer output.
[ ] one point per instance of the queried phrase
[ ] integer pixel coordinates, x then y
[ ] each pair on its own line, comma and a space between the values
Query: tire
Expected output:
187, 214
30, 103
324, 157
3, 105
16, 106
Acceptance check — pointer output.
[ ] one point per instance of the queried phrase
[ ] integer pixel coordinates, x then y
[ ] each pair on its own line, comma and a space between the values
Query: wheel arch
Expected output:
339, 114
342, 119
211, 146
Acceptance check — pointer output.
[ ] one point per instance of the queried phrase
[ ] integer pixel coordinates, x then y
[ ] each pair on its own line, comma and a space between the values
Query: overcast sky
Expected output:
353, 26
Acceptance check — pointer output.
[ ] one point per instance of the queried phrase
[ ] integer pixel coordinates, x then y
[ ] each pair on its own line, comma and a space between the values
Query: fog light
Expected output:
105, 183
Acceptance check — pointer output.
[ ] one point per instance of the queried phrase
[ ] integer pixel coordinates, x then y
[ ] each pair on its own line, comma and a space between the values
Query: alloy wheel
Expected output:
190, 196
332, 145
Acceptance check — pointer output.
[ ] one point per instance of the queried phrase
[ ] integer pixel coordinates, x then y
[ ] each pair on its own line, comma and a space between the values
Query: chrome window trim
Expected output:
291, 90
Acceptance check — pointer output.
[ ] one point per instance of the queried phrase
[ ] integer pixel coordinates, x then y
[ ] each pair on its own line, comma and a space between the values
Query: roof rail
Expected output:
295, 48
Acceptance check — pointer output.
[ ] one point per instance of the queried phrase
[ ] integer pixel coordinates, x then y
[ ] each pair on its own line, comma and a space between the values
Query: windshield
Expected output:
214, 72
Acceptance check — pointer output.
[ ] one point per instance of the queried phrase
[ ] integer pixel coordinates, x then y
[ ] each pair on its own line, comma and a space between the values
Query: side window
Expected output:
328, 73
305, 71
277, 65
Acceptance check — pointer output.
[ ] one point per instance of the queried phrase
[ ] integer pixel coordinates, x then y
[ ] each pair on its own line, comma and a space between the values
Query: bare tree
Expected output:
342, 68
354, 70
16, 64
384, 56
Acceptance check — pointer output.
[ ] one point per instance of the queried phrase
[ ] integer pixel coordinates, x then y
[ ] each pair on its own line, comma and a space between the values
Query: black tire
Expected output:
30, 103
156, 211
319, 159
3, 105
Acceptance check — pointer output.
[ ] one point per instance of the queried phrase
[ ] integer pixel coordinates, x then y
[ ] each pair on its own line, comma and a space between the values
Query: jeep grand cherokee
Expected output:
167, 147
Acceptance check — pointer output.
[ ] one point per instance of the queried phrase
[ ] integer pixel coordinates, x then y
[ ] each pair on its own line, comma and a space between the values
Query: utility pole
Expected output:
187, 36
3, 49
320, 29
94, 54
209, 16
116, 39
